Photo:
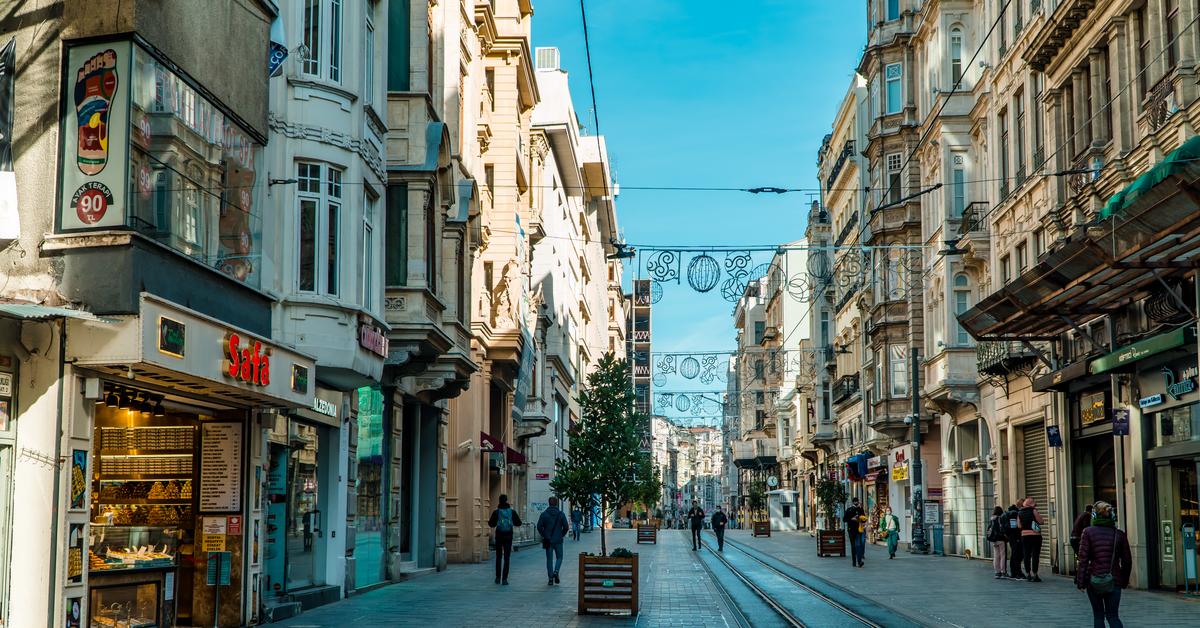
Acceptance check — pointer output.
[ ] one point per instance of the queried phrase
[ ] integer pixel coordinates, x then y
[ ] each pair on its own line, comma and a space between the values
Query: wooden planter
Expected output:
608, 584
830, 543
647, 534
761, 528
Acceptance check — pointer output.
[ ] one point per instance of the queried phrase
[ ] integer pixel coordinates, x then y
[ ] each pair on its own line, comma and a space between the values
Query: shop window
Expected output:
319, 200
1177, 425
371, 484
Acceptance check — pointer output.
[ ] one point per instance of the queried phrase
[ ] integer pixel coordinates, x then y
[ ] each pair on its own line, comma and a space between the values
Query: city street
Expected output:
679, 591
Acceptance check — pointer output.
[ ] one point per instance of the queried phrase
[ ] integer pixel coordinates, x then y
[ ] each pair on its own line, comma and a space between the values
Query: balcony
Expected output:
845, 388
641, 336
1159, 104
851, 223
1003, 357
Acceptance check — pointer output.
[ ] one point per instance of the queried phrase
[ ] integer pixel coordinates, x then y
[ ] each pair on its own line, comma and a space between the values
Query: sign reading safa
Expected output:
247, 361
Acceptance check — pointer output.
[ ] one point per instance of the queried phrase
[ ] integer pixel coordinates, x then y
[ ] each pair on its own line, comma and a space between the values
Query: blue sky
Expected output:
708, 93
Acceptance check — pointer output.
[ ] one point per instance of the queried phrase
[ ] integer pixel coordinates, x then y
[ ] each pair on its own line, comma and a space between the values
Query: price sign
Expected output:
218, 568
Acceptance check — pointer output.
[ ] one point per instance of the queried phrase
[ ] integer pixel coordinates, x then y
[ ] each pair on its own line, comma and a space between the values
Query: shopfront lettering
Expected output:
373, 339
1177, 389
328, 408
247, 361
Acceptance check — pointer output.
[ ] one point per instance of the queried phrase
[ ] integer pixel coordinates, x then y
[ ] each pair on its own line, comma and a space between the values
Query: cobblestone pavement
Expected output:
943, 591
674, 587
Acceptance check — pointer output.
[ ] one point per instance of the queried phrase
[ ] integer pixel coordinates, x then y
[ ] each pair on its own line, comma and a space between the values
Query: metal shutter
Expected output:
1034, 439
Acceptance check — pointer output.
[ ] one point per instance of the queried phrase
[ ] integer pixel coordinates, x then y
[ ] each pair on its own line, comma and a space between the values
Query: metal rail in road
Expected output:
796, 603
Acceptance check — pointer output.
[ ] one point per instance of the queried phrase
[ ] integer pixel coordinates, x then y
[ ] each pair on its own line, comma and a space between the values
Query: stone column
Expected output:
1097, 76
1121, 55
1155, 32
1079, 136
1055, 123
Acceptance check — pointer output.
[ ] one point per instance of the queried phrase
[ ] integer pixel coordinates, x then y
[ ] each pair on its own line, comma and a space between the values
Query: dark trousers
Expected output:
575, 530
503, 554
696, 537
1031, 550
1014, 557
858, 547
1104, 606
720, 532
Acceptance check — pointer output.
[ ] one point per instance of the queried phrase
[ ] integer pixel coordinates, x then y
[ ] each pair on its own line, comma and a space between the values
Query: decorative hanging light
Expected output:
703, 273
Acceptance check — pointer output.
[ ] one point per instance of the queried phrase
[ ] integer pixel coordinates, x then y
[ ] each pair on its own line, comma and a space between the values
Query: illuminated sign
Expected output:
247, 361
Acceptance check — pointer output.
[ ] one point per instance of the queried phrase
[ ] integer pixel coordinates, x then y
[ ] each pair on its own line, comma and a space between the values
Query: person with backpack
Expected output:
1012, 534
995, 536
553, 528
1031, 538
504, 519
1081, 524
889, 527
1104, 565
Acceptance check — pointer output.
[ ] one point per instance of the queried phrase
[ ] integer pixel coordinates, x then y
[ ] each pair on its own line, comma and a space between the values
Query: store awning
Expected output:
513, 456
33, 311
1058, 380
487, 442
1143, 349
1149, 235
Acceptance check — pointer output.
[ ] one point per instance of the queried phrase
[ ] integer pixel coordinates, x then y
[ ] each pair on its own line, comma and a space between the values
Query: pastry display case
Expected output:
118, 547
125, 606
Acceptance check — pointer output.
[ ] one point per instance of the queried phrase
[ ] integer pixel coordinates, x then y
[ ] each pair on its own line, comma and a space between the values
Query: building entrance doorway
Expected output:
1178, 511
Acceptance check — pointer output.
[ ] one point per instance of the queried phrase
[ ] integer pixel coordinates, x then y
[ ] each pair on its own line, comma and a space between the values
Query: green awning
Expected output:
1143, 349
1174, 162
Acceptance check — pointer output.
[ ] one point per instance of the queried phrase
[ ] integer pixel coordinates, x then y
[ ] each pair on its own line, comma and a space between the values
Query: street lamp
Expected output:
918, 545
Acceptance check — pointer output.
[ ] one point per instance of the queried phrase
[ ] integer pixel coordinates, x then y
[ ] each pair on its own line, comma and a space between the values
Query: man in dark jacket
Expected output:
855, 518
718, 525
696, 518
504, 519
1104, 550
1012, 534
553, 528
1081, 523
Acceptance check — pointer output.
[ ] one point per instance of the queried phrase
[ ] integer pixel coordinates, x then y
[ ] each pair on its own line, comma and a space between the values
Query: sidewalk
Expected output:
675, 591
940, 590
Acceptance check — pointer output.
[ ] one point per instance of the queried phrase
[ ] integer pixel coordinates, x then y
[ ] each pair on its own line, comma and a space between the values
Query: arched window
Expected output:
956, 48
962, 302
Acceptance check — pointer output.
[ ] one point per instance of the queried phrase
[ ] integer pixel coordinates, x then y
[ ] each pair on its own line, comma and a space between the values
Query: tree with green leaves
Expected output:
830, 494
604, 460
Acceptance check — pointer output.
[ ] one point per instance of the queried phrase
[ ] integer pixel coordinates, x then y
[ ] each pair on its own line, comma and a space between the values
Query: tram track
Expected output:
794, 602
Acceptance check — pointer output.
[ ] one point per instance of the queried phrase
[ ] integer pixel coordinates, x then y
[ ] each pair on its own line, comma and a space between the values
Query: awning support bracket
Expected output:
1041, 355
1086, 334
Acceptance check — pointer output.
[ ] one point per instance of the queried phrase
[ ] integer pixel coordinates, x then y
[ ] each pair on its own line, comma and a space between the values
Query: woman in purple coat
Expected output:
1104, 565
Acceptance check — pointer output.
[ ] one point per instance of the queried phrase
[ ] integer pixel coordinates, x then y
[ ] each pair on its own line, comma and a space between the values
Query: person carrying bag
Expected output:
1105, 563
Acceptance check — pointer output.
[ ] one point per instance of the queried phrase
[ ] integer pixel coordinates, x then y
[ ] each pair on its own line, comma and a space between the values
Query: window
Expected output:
368, 90
1019, 107
490, 79
893, 9
1002, 27
892, 74
958, 173
320, 205
322, 35
956, 43
1003, 125
1039, 243
368, 251
894, 188
1022, 257
432, 242
1171, 29
898, 369
758, 397
962, 302
395, 257
1143, 52
1004, 270
1036, 130
759, 330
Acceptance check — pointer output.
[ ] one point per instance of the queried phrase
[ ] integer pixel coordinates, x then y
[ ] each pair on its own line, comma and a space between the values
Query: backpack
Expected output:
504, 520
1026, 517
1012, 520
995, 532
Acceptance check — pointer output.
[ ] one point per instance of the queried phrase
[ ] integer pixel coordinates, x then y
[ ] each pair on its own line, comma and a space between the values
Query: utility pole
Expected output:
918, 545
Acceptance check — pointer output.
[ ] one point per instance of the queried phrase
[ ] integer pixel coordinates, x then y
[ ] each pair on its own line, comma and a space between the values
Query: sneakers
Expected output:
550, 582
999, 576
505, 583
556, 580
497, 579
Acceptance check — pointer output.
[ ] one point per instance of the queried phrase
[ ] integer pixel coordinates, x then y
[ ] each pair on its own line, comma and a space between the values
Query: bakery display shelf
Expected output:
121, 477
143, 453
144, 501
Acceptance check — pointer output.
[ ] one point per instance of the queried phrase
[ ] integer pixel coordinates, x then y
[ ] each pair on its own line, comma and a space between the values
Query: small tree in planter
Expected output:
830, 494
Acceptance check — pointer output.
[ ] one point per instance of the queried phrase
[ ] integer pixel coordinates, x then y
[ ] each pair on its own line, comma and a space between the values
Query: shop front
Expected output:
163, 471
371, 488
900, 489
876, 482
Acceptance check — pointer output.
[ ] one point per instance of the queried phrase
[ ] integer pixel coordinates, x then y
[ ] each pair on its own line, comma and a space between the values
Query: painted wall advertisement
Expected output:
95, 132
78, 479
75, 554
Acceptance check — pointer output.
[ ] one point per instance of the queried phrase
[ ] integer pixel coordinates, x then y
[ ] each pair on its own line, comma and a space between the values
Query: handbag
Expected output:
1105, 584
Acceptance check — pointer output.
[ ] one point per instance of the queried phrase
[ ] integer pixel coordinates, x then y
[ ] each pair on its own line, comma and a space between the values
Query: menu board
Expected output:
221, 467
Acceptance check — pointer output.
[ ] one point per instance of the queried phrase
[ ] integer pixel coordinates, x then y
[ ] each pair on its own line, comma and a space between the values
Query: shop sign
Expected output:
247, 361
219, 568
1092, 409
1152, 400
373, 339
220, 467
171, 336
6, 384
1053, 436
933, 511
900, 472
328, 408
1142, 349
1121, 422
541, 476
299, 379
1177, 389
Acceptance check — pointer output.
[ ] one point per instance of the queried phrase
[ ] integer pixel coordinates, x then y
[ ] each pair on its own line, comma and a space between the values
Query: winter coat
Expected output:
1098, 547
1081, 523
552, 525
1027, 517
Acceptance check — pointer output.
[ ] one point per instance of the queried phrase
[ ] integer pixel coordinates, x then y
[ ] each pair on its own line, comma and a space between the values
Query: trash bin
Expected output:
936, 531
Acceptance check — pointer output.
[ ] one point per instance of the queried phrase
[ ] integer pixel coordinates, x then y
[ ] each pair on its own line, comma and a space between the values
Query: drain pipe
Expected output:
52, 616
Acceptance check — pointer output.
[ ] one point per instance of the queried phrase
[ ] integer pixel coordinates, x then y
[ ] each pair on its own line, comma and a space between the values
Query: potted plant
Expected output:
830, 539
605, 463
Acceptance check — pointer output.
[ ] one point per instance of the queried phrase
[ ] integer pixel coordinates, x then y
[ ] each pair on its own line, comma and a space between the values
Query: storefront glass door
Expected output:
1179, 504
304, 515
368, 540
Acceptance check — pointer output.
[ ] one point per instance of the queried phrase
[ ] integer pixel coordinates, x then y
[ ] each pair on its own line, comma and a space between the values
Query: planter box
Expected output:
831, 543
647, 534
761, 528
608, 584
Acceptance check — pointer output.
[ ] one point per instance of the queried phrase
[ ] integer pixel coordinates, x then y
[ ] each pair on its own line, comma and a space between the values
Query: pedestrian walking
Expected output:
995, 536
1081, 523
504, 519
1012, 534
1104, 565
553, 528
889, 526
696, 519
719, 521
855, 518
1031, 538
576, 522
